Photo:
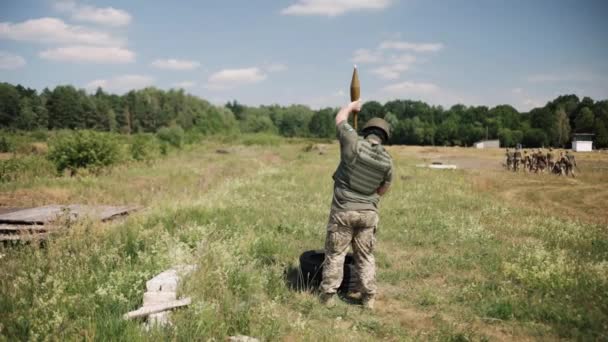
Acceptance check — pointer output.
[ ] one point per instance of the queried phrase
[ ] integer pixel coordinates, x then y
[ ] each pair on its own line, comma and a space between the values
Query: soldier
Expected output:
570, 164
543, 161
509, 156
562, 162
516, 159
533, 160
550, 160
363, 175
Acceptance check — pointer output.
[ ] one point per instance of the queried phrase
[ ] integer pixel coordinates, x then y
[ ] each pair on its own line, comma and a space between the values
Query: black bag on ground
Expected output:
311, 267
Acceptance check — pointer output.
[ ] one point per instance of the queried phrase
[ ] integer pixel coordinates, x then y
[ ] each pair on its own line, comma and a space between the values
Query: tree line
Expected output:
413, 122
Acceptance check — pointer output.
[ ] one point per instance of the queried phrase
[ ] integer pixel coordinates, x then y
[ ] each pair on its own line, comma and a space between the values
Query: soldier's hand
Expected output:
355, 106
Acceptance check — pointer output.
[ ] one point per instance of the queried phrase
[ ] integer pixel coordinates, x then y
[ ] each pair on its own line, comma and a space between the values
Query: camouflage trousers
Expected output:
345, 229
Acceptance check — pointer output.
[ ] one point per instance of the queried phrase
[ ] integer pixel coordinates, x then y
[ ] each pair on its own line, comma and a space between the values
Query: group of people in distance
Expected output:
537, 161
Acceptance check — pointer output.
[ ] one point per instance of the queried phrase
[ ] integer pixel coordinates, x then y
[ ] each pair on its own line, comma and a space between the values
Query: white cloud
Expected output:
405, 88
332, 8
402, 59
90, 54
175, 64
104, 16
517, 91
53, 30
390, 72
367, 56
121, 84
278, 67
230, 78
8, 61
184, 84
397, 65
416, 47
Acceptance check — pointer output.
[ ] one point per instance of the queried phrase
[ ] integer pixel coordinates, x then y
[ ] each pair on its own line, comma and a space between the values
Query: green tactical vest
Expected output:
368, 169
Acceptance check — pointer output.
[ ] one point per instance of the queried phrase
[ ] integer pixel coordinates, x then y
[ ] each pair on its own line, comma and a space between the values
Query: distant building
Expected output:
582, 142
488, 144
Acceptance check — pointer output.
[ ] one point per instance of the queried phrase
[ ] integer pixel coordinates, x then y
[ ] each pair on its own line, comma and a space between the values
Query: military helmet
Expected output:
378, 123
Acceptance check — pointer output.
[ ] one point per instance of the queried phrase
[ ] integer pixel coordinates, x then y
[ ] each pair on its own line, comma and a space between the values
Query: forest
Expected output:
414, 122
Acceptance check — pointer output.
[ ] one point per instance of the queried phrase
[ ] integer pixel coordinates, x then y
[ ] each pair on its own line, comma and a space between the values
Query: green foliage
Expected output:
535, 137
6, 145
258, 124
584, 121
322, 123
24, 168
83, 149
143, 147
509, 138
9, 104
173, 136
65, 107
414, 122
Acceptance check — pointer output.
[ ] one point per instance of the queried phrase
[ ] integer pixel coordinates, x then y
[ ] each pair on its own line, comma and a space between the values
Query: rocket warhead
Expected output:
355, 88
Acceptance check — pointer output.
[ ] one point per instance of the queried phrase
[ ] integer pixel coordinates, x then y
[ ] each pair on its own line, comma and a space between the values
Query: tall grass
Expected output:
454, 263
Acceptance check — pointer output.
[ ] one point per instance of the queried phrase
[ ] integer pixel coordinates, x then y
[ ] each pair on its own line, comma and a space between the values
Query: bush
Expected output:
173, 135
39, 135
83, 149
6, 145
143, 147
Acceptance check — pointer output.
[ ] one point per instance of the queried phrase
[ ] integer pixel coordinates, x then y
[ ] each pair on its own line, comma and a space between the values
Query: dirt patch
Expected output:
6, 156
270, 157
584, 197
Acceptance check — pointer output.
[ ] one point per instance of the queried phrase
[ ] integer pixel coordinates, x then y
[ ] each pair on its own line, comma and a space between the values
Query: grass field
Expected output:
471, 254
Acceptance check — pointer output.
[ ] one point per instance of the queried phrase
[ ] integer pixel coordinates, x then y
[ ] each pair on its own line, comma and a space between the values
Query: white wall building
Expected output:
582, 142
488, 144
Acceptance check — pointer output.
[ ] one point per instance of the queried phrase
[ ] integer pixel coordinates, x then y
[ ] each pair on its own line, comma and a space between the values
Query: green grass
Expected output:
454, 263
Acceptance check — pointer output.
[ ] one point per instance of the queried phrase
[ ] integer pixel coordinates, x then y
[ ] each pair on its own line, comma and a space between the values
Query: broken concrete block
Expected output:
158, 297
165, 281
160, 319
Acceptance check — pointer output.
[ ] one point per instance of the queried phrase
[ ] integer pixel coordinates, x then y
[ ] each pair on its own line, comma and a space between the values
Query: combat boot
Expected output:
368, 301
328, 299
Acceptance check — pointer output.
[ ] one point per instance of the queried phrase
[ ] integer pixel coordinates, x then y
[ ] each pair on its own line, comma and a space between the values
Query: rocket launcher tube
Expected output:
355, 92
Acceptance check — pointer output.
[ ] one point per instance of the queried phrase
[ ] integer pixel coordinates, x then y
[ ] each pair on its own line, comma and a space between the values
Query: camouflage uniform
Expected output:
562, 162
353, 220
344, 227
570, 163
542, 161
509, 156
550, 160
516, 160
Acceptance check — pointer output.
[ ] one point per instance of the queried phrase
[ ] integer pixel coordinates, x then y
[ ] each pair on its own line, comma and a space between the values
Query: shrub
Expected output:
143, 147
9, 170
83, 149
173, 135
6, 145
39, 135
164, 148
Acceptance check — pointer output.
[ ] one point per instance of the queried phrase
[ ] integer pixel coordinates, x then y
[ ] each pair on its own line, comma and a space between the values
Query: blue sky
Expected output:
490, 52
